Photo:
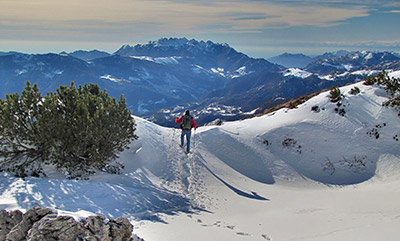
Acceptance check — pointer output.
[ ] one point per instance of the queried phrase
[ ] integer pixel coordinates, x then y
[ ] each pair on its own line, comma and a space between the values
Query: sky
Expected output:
258, 28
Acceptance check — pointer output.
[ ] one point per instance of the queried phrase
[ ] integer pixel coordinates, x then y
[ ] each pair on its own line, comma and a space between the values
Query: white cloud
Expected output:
256, 25
170, 16
393, 11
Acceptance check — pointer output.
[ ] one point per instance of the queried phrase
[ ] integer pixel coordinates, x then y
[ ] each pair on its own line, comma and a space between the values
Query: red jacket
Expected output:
179, 120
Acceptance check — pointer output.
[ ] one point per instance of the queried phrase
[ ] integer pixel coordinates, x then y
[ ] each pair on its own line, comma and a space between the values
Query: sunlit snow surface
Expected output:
296, 72
297, 174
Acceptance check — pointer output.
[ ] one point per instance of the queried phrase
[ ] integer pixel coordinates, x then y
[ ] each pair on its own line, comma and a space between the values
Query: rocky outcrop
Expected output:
7, 221
44, 224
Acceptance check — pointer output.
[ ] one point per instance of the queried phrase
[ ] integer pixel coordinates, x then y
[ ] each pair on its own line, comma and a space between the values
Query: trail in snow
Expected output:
252, 195
269, 177
290, 146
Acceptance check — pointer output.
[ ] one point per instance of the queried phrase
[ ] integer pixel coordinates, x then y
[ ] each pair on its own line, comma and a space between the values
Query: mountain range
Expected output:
87, 55
162, 78
300, 60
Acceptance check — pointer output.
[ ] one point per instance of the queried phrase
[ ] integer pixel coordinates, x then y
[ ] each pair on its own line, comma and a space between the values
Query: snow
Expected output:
224, 110
348, 67
112, 78
294, 174
327, 77
170, 42
341, 66
357, 72
366, 72
242, 71
167, 60
394, 74
369, 56
198, 69
356, 55
159, 60
147, 58
20, 72
54, 73
219, 71
296, 72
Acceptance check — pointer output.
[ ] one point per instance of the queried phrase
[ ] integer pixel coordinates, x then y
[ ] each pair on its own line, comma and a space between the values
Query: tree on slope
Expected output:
21, 146
79, 130
391, 85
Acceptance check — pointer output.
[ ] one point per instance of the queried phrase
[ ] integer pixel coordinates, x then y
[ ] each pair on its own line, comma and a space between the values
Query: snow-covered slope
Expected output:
300, 174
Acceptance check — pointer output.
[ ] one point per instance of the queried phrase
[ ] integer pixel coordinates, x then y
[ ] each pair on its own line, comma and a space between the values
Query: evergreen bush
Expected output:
79, 130
355, 90
21, 143
335, 94
391, 85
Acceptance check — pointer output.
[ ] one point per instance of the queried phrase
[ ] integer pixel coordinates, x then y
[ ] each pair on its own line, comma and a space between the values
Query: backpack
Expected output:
186, 122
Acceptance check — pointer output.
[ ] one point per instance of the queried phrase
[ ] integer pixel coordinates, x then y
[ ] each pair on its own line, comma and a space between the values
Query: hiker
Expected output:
187, 124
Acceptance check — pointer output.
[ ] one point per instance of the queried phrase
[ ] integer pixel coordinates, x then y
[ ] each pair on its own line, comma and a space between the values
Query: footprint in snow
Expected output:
266, 237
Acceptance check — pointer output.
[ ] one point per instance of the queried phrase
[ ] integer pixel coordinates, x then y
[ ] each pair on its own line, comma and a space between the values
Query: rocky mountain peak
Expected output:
171, 47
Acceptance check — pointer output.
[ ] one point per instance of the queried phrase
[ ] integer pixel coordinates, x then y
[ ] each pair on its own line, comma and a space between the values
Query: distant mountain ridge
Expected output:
162, 78
8, 53
220, 57
292, 60
301, 61
89, 55
353, 61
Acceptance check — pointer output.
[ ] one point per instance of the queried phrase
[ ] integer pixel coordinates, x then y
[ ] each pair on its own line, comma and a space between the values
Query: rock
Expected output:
19, 231
96, 225
7, 221
216, 122
51, 228
121, 229
42, 224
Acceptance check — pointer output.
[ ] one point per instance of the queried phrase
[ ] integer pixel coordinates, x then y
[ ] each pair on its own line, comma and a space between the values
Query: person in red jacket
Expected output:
187, 124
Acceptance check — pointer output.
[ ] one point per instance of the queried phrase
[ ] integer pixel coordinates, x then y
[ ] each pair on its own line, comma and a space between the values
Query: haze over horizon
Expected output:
257, 28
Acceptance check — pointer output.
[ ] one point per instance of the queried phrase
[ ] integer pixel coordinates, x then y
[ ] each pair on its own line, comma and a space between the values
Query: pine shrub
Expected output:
315, 108
335, 94
355, 90
21, 143
79, 130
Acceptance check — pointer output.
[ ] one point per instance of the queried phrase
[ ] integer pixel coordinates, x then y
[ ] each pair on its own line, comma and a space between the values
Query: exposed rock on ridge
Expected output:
44, 224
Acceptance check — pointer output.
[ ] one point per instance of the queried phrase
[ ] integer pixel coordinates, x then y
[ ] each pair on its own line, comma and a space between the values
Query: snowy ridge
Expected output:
296, 72
165, 45
273, 177
159, 60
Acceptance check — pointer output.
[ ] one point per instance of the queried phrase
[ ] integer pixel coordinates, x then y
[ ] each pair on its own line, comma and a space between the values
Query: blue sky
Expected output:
258, 28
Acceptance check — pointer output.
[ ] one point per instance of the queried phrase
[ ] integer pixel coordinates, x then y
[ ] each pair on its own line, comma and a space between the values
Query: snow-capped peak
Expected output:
169, 42
169, 47
296, 72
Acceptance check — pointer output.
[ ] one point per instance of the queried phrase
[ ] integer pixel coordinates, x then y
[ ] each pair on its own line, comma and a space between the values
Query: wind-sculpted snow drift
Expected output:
264, 168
